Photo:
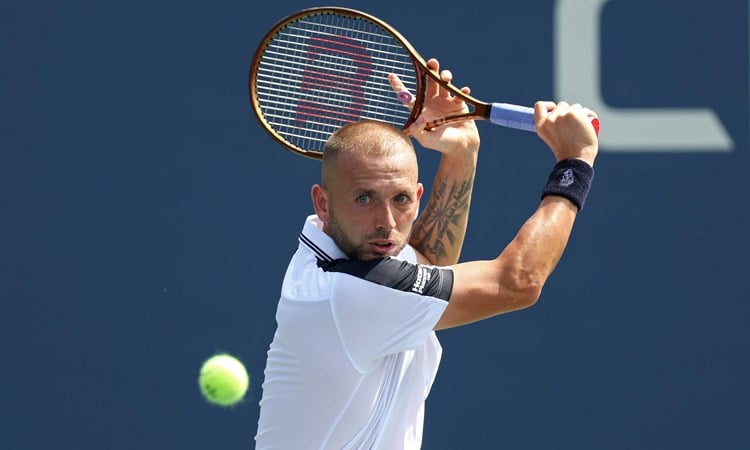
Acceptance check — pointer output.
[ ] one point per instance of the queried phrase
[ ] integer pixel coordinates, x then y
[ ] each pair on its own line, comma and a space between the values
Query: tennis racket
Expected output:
321, 68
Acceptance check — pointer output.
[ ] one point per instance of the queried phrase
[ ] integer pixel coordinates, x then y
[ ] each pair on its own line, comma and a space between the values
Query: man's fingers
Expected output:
406, 97
446, 75
396, 83
416, 128
432, 88
541, 111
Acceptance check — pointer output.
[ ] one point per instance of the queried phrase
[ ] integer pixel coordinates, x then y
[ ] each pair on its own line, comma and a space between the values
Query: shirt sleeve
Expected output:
386, 306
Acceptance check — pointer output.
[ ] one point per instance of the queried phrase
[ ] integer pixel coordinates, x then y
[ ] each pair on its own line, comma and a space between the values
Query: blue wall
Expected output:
147, 220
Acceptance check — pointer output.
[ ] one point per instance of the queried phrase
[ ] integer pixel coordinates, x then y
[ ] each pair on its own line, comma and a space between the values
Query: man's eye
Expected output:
363, 199
402, 198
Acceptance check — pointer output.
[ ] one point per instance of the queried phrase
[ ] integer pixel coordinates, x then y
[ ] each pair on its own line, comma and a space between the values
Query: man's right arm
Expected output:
514, 280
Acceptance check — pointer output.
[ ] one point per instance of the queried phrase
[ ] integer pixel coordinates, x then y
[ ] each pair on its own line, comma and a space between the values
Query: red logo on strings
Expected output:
333, 81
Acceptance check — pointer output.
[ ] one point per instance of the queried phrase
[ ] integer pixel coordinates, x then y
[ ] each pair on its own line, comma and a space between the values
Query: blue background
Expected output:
146, 221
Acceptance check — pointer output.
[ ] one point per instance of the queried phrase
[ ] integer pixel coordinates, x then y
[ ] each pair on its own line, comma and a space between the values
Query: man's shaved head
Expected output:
365, 140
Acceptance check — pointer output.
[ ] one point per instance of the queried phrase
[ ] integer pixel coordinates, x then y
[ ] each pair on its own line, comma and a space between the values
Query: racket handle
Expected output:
513, 116
520, 117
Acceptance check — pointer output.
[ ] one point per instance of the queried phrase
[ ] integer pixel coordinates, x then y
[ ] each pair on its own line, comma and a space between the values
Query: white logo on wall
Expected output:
577, 76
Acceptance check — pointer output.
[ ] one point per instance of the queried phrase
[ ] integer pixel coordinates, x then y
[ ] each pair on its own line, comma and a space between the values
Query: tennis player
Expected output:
355, 351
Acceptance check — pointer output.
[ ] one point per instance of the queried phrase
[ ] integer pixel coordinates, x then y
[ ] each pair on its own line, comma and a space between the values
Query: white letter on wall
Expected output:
578, 79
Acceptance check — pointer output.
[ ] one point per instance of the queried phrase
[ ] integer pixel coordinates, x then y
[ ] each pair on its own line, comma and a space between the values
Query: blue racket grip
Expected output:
513, 116
520, 117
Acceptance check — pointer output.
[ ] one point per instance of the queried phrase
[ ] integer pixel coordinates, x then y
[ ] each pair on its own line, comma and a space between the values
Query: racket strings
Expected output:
322, 71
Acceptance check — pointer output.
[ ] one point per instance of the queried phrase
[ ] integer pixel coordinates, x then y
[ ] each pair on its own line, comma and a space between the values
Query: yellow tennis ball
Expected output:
223, 380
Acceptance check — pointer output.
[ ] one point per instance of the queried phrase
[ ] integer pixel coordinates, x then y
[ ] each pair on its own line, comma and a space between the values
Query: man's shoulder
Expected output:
396, 274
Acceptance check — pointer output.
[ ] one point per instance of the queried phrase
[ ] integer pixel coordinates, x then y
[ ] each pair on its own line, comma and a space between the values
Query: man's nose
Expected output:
385, 218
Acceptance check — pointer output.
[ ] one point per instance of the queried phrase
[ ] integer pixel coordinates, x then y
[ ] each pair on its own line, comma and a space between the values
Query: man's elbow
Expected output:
524, 289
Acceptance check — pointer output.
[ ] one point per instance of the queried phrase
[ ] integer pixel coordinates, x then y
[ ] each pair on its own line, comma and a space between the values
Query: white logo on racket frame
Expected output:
577, 76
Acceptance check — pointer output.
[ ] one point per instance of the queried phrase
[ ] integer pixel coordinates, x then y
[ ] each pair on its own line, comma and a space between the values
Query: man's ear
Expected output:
320, 202
420, 191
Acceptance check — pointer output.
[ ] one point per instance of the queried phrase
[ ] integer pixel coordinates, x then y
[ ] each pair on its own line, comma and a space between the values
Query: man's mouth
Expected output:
383, 247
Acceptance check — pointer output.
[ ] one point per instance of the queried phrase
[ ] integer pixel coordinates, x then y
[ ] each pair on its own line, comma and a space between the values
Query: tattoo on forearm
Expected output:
443, 222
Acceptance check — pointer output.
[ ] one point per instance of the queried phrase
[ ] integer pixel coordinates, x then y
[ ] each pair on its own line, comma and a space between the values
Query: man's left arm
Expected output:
438, 233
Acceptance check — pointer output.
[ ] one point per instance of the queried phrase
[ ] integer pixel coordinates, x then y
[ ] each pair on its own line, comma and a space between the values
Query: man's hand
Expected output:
439, 102
567, 130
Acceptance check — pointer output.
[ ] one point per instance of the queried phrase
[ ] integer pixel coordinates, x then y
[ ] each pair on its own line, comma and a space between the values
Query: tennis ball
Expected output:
223, 380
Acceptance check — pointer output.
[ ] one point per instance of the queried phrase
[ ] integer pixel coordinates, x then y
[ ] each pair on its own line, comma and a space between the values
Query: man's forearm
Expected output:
439, 231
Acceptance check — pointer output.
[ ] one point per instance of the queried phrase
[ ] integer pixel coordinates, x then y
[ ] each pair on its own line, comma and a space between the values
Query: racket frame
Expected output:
481, 110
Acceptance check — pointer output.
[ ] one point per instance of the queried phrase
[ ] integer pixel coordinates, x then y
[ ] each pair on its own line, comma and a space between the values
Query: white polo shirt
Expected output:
354, 354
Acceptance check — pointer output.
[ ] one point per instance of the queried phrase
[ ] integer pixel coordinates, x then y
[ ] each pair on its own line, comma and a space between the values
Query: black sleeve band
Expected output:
420, 279
571, 178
